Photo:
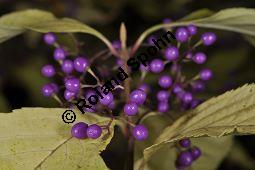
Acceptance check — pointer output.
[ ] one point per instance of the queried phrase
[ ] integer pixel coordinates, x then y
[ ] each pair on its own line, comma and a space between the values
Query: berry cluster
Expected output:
188, 155
174, 91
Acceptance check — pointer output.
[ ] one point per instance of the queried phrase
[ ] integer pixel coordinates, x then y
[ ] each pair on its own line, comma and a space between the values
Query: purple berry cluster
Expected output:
82, 130
187, 155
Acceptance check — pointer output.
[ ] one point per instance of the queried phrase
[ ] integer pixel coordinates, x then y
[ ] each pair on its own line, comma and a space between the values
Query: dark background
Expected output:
232, 58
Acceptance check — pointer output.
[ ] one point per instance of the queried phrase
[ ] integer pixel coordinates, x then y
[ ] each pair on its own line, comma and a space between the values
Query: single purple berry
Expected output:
79, 130
198, 86
94, 131
171, 53
138, 96
187, 97
47, 90
184, 159
156, 66
49, 38
177, 89
167, 20
116, 44
81, 64
205, 74
130, 109
145, 87
140, 132
165, 81
108, 99
67, 66
163, 95
185, 143
55, 87
163, 107
72, 84
208, 38
48, 71
182, 34
68, 95
199, 58
59, 54
195, 153
192, 29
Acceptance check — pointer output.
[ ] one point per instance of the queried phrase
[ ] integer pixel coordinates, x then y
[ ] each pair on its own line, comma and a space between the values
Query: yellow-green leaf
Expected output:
37, 138
230, 113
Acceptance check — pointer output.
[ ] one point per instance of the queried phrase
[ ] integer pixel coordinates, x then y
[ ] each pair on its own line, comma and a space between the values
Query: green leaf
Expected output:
230, 113
37, 138
201, 13
41, 21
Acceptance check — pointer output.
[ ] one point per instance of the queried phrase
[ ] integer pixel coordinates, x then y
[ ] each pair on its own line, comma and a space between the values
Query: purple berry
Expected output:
59, 54
94, 131
165, 81
163, 95
205, 74
171, 53
47, 90
187, 97
208, 38
145, 87
130, 109
182, 34
79, 130
116, 44
199, 58
138, 97
48, 71
140, 132
177, 89
185, 143
150, 39
167, 20
49, 38
67, 66
198, 86
81, 64
108, 99
163, 107
72, 84
68, 95
184, 159
195, 153
55, 87
156, 66
192, 29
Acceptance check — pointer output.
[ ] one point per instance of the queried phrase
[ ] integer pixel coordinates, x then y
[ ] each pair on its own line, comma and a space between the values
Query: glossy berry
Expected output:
94, 131
79, 130
68, 95
199, 58
156, 66
187, 97
182, 34
163, 106
72, 84
163, 95
192, 29
108, 99
205, 74
130, 109
184, 159
195, 153
67, 66
171, 53
140, 132
185, 143
165, 81
208, 38
59, 54
47, 90
49, 38
138, 96
81, 64
48, 71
